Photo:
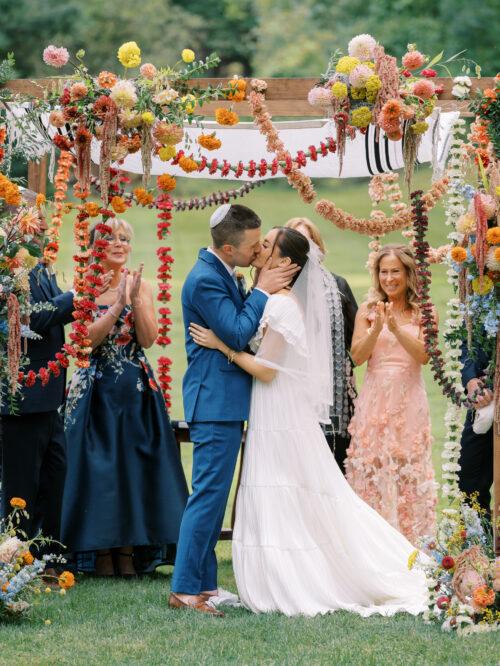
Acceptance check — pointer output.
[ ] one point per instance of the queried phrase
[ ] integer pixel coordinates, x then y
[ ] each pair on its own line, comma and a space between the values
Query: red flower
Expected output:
61, 142
448, 562
63, 361
54, 368
65, 97
44, 375
406, 72
123, 339
442, 602
429, 73
30, 378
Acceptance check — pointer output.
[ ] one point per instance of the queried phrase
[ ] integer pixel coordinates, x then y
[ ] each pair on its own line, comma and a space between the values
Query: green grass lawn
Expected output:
122, 622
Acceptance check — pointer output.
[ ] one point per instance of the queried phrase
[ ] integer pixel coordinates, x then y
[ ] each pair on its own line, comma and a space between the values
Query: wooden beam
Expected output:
37, 176
496, 487
285, 96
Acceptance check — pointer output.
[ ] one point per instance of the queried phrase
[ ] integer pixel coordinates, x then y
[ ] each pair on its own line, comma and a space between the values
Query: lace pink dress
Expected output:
389, 462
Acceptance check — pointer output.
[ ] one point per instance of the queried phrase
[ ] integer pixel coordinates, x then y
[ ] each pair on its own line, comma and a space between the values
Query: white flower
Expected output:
463, 81
123, 94
460, 91
10, 549
362, 47
165, 96
492, 263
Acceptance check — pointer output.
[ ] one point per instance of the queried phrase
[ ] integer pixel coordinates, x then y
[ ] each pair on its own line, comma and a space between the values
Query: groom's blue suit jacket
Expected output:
213, 388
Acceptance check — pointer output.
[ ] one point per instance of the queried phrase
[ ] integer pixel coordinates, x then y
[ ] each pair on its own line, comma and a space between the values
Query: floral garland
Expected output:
64, 163
263, 120
380, 224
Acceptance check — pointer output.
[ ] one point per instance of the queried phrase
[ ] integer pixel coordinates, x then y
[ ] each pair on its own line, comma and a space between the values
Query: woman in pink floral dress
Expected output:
389, 462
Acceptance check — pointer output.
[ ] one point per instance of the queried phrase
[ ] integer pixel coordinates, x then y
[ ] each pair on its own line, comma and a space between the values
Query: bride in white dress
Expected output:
304, 543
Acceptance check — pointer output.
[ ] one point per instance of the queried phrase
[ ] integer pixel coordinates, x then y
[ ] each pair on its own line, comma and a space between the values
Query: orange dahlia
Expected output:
493, 236
187, 164
92, 208
18, 503
143, 197
118, 205
483, 596
226, 117
107, 79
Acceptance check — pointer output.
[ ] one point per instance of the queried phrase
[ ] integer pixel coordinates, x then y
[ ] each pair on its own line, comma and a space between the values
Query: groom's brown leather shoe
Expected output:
197, 603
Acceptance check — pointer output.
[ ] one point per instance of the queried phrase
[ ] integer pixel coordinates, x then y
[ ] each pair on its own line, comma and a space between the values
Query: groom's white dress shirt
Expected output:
231, 270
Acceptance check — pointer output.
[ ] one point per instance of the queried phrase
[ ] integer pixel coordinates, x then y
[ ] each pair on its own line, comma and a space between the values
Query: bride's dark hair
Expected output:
294, 245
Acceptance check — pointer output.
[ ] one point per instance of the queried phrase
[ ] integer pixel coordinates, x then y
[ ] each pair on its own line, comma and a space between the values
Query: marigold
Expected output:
66, 580
361, 117
458, 254
187, 55
166, 182
482, 286
118, 205
129, 54
493, 236
107, 80
209, 141
167, 152
346, 64
226, 117
483, 596
41, 200
143, 197
18, 503
28, 558
92, 208
187, 164
339, 90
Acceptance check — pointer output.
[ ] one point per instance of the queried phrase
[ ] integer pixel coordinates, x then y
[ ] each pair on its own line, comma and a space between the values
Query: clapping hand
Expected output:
390, 319
121, 295
379, 320
135, 288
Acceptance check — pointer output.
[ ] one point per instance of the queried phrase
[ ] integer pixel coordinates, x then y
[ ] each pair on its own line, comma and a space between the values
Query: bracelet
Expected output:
230, 356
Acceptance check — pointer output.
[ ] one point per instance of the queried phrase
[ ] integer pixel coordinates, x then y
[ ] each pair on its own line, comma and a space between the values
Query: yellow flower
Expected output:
482, 287
420, 127
358, 93
129, 54
361, 117
497, 190
346, 64
370, 64
167, 152
18, 503
412, 559
187, 55
147, 118
373, 83
339, 90
189, 103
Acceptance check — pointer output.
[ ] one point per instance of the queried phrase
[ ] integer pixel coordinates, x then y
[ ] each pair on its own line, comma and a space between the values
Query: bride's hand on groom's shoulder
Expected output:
273, 280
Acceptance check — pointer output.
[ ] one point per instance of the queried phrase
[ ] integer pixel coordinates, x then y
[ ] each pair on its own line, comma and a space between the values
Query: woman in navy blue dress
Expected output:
125, 488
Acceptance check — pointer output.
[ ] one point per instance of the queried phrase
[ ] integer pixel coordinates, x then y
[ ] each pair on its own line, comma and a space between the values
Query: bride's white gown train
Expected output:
304, 543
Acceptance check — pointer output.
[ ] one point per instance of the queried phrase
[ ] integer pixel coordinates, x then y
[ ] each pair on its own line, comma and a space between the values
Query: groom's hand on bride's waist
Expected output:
272, 280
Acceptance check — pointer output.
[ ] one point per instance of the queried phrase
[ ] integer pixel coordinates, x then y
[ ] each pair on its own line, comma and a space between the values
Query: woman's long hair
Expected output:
405, 256
314, 232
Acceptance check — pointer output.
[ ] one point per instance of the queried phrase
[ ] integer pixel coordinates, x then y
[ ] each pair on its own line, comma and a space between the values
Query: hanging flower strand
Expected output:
61, 179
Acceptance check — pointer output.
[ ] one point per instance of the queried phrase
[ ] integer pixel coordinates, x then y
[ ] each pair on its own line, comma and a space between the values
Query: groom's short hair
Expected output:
233, 226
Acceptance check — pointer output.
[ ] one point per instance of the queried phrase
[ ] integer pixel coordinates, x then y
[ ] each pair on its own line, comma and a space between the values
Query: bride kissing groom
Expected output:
304, 543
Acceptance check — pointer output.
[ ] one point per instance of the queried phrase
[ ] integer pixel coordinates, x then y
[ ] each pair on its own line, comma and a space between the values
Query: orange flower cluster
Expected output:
237, 90
168, 134
27, 558
143, 197
9, 191
66, 580
209, 141
61, 186
92, 208
187, 164
167, 183
226, 117
118, 204
483, 596
18, 503
493, 236
41, 200
107, 80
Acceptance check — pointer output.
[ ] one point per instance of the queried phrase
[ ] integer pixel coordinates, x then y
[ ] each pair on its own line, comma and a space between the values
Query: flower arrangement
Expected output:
20, 571
143, 113
463, 577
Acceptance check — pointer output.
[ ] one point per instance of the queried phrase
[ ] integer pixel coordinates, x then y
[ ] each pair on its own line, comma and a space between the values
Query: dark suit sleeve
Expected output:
349, 309
473, 367
218, 311
45, 319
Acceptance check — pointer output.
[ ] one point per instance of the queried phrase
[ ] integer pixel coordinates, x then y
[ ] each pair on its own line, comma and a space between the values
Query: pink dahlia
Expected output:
360, 75
55, 56
413, 60
424, 89
319, 97
56, 119
148, 70
78, 91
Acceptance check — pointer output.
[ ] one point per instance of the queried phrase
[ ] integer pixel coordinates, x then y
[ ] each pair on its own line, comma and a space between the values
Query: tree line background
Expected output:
252, 37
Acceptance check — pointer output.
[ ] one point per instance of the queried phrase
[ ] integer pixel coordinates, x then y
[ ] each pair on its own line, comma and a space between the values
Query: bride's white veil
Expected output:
298, 341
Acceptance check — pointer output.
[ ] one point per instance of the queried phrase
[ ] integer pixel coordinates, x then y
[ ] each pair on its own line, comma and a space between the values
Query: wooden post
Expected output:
37, 176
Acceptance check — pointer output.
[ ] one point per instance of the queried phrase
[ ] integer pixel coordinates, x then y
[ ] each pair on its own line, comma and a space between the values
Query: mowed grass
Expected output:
121, 622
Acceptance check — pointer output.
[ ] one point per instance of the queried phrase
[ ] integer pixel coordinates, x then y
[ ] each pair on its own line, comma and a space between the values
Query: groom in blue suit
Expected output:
217, 393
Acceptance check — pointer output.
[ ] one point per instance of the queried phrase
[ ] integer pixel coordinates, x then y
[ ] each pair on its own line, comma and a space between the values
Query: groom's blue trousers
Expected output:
215, 452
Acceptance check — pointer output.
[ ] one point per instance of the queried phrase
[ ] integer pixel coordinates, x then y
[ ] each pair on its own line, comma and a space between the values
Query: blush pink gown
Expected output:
389, 462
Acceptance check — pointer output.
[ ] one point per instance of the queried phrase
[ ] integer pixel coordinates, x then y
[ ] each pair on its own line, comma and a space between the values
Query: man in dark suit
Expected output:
33, 447
476, 458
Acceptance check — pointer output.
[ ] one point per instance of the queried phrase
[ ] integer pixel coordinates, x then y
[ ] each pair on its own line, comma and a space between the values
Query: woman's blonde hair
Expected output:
114, 223
295, 222
405, 256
